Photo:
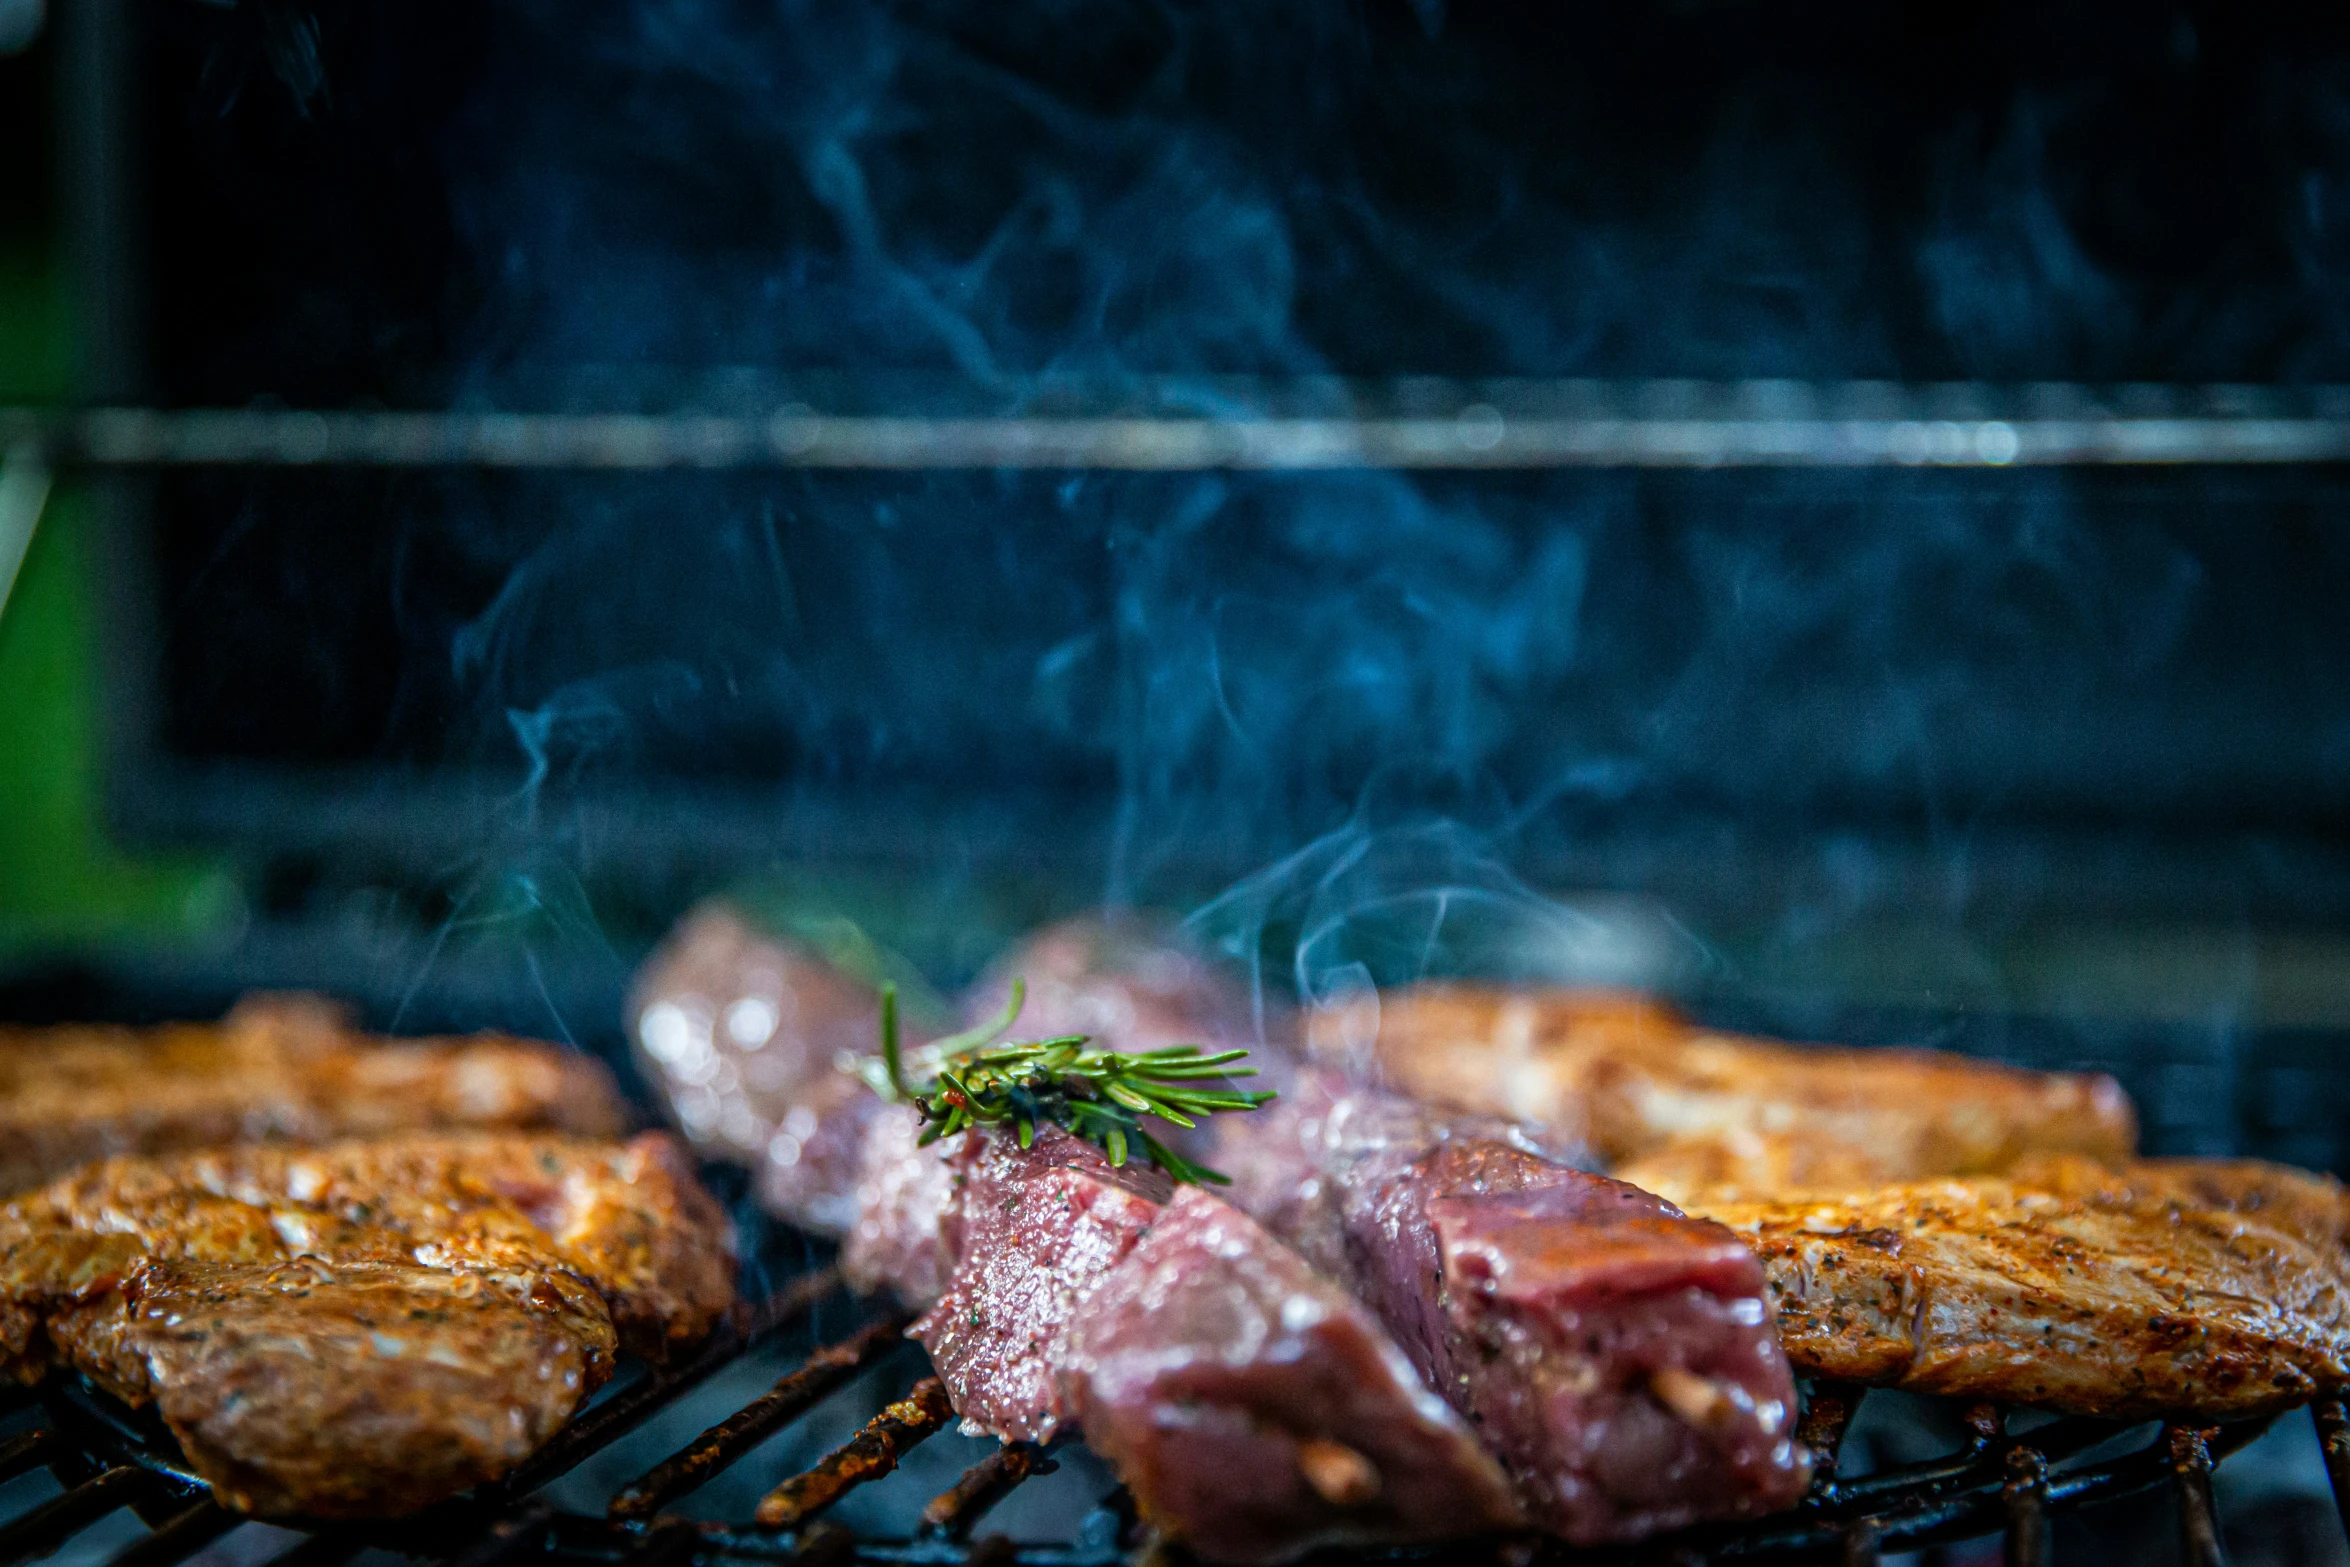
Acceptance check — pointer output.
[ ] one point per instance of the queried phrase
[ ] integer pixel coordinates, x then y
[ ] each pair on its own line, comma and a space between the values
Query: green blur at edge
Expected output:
62, 883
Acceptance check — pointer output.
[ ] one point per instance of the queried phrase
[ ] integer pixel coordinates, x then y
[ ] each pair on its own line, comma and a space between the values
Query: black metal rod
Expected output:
2333, 1435
179, 1536
954, 1510
870, 1454
709, 1454
1827, 1416
2024, 1500
1861, 1546
2190, 1458
60, 1518
28, 1451
520, 1533
321, 1550
633, 1405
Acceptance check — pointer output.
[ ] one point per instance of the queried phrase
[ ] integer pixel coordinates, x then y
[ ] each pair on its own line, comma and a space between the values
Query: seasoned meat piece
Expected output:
1633, 1083
1616, 1356
278, 1067
748, 1037
909, 1229
2123, 1298
1741, 1162
1256, 1410
1041, 1227
2309, 1207
1132, 983
365, 1328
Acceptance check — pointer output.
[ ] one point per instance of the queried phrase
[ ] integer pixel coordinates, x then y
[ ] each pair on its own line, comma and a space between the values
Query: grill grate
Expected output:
2003, 1475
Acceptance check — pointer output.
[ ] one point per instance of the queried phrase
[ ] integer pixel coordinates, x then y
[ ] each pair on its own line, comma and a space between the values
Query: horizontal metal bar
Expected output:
27, 1451
870, 1454
952, 1513
750, 1326
1480, 436
60, 1518
178, 1537
708, 1455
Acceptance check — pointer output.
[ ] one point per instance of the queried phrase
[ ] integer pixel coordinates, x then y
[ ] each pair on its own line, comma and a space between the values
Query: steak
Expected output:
747, 1037
363, 1329
1252, 1408
2210, 1292
1256, 1409
1656, 1100
1616, 1356
277, 1068
1127, 980
1041, 1228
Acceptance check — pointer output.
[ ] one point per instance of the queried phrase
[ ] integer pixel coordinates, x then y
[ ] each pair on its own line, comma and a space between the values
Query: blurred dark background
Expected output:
2050, 762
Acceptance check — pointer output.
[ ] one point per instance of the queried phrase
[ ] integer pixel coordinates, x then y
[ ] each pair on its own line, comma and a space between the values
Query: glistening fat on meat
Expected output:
1253, 1409
1617, 1357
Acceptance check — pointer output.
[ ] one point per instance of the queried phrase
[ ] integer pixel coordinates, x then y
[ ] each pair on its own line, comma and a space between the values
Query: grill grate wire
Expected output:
1998, 1478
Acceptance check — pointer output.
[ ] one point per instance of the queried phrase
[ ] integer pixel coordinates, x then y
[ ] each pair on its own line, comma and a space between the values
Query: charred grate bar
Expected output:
2002, 1477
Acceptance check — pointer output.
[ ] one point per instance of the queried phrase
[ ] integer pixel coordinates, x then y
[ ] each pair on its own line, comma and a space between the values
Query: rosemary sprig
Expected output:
1099, 1095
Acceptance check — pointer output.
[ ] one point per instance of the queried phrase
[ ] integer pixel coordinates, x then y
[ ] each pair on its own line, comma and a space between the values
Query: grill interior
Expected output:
808, 1430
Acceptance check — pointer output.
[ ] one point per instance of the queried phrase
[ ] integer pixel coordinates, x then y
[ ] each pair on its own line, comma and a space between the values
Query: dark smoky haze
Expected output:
1766, 732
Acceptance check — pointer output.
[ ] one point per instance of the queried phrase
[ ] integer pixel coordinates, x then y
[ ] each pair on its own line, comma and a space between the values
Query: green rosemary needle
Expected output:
1099, 1095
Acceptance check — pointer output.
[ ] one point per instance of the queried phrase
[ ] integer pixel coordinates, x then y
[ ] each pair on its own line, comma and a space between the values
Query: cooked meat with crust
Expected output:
745, 1035
278, 1067
1633, 1084
2310, 1207
1616, 1356
362, 1329
2124, 1297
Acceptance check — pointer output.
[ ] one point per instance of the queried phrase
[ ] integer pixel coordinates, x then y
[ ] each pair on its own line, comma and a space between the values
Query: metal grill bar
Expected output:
2026, 1504
635, 1404
183, 1534
954, 1510
867, 1456
2333, 1435
62, 1517
2190, 1456
1701, 431
709, 1454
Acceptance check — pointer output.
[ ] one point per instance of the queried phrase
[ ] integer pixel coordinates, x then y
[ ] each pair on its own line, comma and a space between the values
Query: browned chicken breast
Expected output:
2079, 1290
279, 1067
1654, 1098
364, 1328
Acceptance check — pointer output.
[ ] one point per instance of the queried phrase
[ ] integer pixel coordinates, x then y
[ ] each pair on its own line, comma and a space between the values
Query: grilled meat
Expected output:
1252, 1408
364, 1328
1636, 1085
1614, 1355
2071, 1289
746, 1034
1127, 980
1041, 1228
1257, 1410
278, 1067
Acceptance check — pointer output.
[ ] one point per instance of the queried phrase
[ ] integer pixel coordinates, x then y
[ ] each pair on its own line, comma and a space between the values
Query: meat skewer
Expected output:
1617, 1357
